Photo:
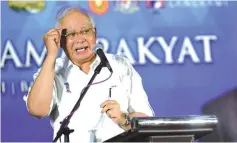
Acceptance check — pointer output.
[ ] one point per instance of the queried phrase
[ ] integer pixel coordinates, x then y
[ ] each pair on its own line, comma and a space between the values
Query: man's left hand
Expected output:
112, 109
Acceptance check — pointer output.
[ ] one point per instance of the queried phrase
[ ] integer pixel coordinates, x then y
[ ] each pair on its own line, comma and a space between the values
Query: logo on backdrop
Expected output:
99, 7
28, 6
126, 6
155, 4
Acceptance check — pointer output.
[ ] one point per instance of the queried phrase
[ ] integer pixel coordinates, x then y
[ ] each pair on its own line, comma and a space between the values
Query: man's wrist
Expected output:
52, 56
126, 120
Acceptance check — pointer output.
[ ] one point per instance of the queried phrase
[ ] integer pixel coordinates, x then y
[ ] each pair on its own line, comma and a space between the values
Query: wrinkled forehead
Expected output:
75, 21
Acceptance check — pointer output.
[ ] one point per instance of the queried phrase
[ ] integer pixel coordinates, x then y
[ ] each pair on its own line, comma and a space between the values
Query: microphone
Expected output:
99, 51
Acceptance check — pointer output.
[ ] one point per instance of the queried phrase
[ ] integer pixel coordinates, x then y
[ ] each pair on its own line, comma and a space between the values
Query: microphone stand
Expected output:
64, 124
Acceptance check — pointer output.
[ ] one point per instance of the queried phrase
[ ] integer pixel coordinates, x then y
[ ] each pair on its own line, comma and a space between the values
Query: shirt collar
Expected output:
94, 64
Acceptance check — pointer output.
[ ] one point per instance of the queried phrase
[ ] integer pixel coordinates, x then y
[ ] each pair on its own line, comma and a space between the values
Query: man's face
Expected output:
80, 37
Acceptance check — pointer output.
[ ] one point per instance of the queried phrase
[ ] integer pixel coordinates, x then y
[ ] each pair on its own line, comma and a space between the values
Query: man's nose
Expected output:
79, 38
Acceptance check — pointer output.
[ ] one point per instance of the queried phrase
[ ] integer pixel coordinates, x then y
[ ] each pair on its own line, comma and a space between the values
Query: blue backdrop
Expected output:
185, 52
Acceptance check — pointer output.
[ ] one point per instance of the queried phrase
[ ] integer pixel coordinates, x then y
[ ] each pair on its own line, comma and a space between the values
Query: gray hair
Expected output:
65, 10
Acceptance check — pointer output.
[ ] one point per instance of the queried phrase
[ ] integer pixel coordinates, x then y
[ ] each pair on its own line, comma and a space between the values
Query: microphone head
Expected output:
97, 47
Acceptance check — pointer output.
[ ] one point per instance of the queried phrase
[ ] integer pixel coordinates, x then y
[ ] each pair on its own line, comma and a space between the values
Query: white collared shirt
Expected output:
126, 89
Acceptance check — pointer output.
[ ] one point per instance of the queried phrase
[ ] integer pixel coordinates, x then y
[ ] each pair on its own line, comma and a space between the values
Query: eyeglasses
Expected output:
72, 35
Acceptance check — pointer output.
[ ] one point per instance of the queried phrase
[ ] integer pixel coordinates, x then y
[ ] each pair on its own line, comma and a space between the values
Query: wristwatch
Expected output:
127, 119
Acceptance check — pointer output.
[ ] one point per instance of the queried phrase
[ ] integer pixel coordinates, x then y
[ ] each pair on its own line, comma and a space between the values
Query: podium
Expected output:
167, 129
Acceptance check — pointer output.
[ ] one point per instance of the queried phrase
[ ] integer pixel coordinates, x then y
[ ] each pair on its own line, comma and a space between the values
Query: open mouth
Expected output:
81, 49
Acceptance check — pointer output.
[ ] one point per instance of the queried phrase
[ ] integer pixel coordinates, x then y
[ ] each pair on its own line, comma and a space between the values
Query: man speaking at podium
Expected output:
111, 101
